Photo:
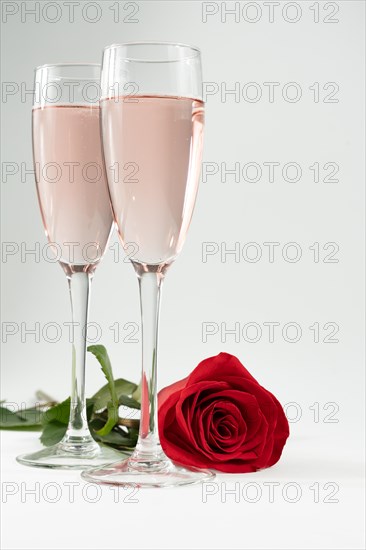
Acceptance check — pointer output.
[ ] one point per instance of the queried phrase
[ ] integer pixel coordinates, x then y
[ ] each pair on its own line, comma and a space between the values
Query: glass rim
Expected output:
59, 65
195, 51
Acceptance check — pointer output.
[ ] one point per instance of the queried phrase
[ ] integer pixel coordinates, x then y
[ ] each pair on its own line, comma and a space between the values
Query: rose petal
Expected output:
220, 417
213, 368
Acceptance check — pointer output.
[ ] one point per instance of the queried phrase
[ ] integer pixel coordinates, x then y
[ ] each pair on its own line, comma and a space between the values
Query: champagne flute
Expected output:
152, 131
77, 217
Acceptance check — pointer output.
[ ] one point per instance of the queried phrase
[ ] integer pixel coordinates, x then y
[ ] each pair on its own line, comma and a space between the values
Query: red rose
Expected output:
219, 417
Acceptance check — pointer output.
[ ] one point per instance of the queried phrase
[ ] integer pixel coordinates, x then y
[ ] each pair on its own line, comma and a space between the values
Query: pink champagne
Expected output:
71, 183
153, 151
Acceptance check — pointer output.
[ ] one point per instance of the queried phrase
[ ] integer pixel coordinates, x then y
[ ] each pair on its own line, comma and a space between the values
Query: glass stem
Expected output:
77, 437
148, 449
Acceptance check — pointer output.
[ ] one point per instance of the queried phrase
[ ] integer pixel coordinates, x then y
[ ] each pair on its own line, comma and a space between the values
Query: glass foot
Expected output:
133, 473
75, 458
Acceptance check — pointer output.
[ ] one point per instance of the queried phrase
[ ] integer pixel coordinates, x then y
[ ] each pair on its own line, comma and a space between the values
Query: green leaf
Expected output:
59, 413
9, 418
101, 398
23, 428
56, 419
33, 416
53, 432
101, 354
89, 408
137, 393
112, 419
23, 420
126, 401
102, 412
117, 438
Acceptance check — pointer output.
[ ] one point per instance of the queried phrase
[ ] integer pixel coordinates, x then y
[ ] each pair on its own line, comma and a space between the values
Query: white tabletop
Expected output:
65, 512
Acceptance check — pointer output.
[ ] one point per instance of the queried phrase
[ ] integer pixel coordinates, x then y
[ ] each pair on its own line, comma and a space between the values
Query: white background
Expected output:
321, 450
